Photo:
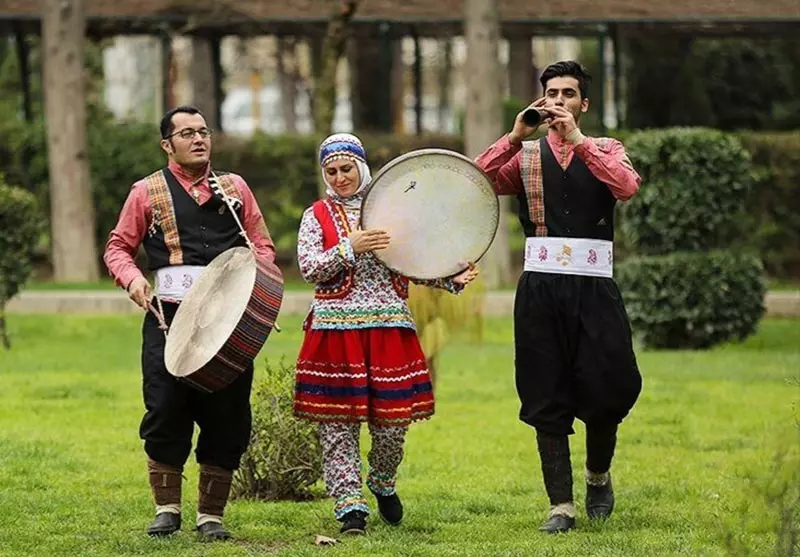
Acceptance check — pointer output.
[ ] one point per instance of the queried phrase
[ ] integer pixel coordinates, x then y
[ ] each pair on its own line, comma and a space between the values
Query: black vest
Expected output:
576, 203
204, 232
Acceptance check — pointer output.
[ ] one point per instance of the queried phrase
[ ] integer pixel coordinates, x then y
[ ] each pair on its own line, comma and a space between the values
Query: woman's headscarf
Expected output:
345, 146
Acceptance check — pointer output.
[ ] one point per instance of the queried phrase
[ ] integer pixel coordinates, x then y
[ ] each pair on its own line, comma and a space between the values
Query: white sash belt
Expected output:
570, 256
173, 282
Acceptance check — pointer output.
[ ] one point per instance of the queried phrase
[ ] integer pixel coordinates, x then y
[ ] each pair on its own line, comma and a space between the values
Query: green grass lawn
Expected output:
291, 283
696, 473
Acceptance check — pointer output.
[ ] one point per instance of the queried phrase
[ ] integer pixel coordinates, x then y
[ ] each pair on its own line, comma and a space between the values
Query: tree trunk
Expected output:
445, 73
315, 54
372, 59
332, 49
3, 330
71, 204
398, 88
483, 123
286, 64
202, 80
521, 77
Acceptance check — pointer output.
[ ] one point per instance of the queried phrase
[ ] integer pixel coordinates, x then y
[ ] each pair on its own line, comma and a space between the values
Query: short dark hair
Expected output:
167, 127
568, 68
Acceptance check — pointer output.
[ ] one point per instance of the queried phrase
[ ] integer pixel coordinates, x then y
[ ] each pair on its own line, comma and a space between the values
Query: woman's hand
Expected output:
467, 276
363, 241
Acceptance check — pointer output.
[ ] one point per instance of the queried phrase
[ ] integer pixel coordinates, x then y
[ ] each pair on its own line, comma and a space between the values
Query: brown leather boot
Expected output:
165, 484
213, 490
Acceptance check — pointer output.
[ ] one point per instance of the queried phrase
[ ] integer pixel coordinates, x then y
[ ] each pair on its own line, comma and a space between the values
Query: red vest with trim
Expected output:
339, 286
325, 211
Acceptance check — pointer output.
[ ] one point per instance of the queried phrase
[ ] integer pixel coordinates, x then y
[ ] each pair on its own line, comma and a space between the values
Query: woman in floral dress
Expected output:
361, 360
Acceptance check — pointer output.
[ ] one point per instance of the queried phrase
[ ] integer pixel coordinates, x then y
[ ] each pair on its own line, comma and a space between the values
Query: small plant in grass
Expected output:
283, 460
777, 494
440, 315
21, 225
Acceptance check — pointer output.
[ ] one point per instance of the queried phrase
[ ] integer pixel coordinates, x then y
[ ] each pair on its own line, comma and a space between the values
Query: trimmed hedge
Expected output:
692, 300
773, 205
678, 293
694, 185
21, 225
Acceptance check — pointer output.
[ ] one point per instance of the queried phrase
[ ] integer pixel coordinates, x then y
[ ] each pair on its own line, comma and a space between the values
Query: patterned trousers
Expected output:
341, 463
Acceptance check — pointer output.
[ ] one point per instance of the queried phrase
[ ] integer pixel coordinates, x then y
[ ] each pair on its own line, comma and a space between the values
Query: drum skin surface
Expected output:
224, 320
439, 208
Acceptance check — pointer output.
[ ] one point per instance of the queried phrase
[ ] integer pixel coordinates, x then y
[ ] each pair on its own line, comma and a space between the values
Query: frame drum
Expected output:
224, 320
439, 208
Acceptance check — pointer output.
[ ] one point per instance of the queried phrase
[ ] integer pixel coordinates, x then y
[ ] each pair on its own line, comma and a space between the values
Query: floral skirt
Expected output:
375, 375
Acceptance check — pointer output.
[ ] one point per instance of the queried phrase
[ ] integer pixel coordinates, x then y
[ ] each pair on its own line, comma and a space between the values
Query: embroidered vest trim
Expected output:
333, 220
163, 210
531, 172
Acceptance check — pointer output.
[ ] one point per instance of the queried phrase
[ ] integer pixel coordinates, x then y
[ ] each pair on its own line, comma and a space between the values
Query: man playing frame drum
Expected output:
183, 225
574, 355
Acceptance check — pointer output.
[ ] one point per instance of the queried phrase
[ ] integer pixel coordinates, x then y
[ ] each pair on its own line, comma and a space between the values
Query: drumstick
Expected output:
161, 323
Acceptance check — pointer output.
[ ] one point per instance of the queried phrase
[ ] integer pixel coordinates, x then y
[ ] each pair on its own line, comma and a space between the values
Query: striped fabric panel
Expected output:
322, 412
534, 188
337, 212
229, 186
164, 215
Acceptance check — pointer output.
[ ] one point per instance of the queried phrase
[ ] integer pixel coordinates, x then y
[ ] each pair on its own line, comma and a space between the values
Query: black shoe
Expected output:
213, 531
164, 524
558, 524
600, 500
354, 523
390, 508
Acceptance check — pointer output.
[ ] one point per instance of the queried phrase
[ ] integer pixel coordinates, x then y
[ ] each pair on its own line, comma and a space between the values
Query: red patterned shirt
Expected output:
611, 165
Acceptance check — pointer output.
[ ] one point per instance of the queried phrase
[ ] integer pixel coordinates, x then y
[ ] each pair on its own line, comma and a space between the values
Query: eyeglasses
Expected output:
189, 133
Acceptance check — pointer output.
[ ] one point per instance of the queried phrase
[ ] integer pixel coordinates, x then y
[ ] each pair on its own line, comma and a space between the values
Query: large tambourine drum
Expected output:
224, 320
438, 207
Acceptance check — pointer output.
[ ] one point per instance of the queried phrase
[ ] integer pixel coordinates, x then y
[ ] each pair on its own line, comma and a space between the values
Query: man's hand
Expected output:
368, 240
467, 276
563, 120
521, 130
140, 292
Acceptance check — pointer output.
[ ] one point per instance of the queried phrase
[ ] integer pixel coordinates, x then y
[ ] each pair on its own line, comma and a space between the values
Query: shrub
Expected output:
695, 183
774, 204
21, 226
440, 315
692, 300
284, 459
120, 153
691, 283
